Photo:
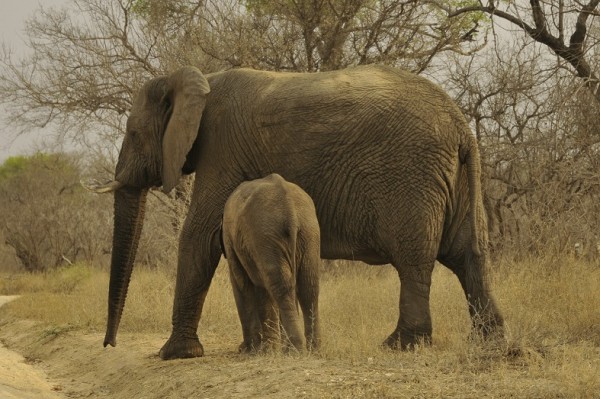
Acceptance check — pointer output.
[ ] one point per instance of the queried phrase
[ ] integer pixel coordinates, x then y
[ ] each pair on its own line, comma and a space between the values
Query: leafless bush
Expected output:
540, 145
312, 36
160, 236
49, 220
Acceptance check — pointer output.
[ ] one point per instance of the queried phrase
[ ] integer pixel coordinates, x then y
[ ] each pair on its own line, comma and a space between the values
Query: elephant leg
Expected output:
280, 283
308, 297
247, 305
414, 323
269, 320
288, 312
485, 316
197, 262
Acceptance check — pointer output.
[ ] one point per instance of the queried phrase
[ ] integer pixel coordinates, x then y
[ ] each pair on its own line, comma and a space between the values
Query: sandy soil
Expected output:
82, 368
79, 367
18, 378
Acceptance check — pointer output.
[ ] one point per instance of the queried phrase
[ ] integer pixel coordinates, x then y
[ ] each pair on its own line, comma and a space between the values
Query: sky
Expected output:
13, 14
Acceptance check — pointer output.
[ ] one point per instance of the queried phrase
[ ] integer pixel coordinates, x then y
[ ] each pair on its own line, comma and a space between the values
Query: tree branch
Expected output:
574, 53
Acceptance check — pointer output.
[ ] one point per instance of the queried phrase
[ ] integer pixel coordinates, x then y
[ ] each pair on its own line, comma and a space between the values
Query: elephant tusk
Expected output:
98, 188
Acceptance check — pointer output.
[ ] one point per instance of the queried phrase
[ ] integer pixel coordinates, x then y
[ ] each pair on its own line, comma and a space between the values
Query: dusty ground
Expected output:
70, 362
18, 378
79, 367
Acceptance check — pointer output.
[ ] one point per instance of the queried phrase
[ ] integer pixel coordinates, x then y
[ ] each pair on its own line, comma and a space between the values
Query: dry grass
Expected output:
551, 309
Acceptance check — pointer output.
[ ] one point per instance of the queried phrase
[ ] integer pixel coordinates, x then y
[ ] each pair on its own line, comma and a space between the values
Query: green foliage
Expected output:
64, 280
469, 23
262, 7
19, 164
461, 3
282, 7
164, 11
141, 7
12, 166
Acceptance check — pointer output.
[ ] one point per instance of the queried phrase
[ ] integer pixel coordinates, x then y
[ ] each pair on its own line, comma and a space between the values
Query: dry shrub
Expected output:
551, 301
555, 218
219, 315
165, 214
76, 295
545, 303
51, 221
358, 309
48, 218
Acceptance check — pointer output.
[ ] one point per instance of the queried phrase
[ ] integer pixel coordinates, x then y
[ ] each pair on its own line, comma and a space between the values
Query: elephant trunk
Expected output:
128, 221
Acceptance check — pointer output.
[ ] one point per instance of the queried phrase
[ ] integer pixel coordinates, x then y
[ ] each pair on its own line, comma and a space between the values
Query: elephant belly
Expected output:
337, 250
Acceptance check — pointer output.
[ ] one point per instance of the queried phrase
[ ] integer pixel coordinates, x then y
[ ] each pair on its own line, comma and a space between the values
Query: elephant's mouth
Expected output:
151, 178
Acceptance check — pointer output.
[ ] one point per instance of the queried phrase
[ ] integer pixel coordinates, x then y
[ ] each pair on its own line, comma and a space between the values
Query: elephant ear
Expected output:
187, 90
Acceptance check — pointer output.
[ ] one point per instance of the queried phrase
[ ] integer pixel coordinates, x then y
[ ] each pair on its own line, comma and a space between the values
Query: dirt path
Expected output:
80, 367
19, 379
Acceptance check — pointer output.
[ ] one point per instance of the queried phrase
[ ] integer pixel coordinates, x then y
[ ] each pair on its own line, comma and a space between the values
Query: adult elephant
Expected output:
387, 157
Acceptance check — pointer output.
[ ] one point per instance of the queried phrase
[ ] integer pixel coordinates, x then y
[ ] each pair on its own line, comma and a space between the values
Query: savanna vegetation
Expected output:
551, 308
524, 73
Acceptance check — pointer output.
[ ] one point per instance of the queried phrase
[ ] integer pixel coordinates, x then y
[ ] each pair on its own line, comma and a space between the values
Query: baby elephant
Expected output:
271, 240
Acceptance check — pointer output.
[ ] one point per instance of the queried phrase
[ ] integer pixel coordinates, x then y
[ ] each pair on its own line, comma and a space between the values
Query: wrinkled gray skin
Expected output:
271, 242
386, 156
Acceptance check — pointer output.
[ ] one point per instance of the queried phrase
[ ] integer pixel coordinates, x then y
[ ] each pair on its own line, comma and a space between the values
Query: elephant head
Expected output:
161, 129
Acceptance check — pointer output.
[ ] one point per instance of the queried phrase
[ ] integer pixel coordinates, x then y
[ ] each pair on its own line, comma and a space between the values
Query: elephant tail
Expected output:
476, 215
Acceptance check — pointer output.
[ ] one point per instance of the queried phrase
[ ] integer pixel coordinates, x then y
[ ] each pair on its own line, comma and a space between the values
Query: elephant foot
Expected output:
178, 348
393, 341
489, 338
489, 328
397, 340
313, 345
249, 347
270, 346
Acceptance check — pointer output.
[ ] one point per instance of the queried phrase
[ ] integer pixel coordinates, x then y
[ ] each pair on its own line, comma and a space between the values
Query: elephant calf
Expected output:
271, 240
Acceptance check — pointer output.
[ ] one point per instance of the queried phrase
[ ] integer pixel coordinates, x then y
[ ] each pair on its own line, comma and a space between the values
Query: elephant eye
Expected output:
168, 107
166, 100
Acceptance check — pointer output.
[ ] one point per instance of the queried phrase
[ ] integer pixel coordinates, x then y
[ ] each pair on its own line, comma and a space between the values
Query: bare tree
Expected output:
550, 23
538, 134
86, 59
319, 35
83, 64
